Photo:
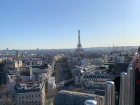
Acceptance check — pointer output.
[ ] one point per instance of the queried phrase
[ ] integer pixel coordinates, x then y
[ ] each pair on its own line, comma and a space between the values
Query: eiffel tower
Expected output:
79, 46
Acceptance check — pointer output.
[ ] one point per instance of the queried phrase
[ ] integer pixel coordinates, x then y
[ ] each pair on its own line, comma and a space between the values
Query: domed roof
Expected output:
90, 102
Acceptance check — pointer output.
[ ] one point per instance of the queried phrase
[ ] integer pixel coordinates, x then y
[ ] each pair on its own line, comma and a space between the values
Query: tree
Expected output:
6, 99
70, 88
79, 90
51, 93
25, 73
46, 65
3, 90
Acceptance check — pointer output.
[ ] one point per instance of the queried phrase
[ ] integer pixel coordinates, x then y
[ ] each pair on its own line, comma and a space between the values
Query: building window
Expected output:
19, 97
22, 96
23, 102
38, 95
26, 101
29, 96
26, 96
78, 77
32, 95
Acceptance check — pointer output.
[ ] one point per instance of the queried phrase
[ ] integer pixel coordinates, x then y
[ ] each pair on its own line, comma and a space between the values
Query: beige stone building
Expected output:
30, 94
14, 64
89, 74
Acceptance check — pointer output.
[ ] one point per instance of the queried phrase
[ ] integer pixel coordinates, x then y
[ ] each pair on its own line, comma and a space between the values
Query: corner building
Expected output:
30, 94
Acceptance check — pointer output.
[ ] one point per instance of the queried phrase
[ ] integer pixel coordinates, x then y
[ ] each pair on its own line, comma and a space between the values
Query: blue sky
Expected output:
46, 24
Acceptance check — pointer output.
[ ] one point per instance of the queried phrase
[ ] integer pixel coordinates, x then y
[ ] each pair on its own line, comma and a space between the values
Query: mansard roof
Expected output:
76, 98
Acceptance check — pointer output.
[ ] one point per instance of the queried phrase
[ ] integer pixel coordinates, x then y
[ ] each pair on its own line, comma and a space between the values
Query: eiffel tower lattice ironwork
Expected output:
79, 46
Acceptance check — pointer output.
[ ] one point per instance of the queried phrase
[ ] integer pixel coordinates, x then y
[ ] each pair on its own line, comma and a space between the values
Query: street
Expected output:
62, 76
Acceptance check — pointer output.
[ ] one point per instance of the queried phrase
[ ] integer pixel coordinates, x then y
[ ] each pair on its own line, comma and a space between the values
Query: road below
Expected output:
62, 76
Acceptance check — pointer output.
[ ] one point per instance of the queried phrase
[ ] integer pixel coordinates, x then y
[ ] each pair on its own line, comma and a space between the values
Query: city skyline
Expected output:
95, 48
47, 24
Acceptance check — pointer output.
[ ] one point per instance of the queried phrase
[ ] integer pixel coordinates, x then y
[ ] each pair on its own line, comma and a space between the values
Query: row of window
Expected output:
93, 79
93, 76
93, 88
30, 96
22, 102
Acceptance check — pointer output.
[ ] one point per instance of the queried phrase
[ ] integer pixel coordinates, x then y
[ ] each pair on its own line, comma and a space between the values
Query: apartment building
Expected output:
14, 64
30, 93
51, 83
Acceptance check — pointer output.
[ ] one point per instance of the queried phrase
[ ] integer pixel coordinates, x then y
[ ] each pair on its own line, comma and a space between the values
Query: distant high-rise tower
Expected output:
17, 54
18, 70
108, 49
122, 48
30, 68
22, 55
113, 47
79, 46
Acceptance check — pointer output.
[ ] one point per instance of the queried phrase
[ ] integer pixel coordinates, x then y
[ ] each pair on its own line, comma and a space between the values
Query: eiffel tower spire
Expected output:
79, 46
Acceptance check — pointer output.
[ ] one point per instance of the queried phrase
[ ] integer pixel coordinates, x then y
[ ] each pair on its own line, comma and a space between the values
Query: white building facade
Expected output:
30, 94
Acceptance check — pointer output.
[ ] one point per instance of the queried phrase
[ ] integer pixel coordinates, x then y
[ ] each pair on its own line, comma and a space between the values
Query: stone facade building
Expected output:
13, 64
51, 83
88, 73
30, 94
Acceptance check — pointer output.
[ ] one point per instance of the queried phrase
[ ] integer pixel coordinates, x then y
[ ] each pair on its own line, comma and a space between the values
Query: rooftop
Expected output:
30, 87
96, 75
76, 98
93, 86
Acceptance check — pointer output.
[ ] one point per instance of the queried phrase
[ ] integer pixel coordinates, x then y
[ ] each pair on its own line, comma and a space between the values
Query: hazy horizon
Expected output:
73, 48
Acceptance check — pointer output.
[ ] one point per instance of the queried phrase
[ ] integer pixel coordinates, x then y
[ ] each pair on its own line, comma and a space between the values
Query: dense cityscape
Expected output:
69, 52
46, 76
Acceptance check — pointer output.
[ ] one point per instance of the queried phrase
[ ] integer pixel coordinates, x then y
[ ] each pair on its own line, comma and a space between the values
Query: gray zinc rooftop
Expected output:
76, 98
